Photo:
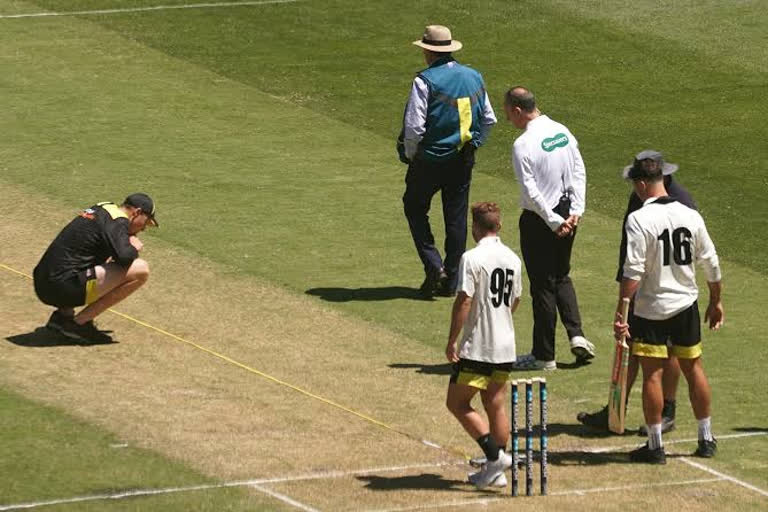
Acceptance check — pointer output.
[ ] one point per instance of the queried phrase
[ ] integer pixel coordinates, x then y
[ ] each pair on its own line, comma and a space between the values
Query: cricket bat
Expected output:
617, 395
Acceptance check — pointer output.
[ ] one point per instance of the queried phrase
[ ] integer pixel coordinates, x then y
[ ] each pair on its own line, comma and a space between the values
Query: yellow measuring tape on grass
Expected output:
274, 379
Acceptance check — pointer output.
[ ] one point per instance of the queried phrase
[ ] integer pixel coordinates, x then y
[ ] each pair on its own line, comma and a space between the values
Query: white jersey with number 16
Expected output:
664, 239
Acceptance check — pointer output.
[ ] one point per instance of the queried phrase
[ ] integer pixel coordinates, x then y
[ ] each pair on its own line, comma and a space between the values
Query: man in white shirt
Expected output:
552, 178
489, 289
664, 239
447, 118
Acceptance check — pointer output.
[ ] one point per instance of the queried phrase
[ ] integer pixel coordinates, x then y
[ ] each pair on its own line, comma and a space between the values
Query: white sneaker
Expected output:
534, 364
582, 348
500, 481
492, 470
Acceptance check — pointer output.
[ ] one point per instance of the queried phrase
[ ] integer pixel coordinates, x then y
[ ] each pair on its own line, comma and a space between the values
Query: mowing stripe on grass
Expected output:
735, 480
260, 482
145, 9
280, 382
257, 482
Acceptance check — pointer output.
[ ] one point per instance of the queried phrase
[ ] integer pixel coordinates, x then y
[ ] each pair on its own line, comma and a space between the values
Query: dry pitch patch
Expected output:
161, 394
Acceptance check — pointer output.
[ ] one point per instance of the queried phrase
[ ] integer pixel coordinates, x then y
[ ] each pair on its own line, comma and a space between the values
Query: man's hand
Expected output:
620, 328
564, 230
136, 243
715, 315
573, 221
450, 352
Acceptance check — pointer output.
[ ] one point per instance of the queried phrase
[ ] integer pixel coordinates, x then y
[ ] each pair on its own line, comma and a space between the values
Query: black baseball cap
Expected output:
145, 203
648, 164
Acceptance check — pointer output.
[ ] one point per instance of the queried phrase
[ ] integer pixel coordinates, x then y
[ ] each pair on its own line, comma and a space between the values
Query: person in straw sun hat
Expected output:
447, 117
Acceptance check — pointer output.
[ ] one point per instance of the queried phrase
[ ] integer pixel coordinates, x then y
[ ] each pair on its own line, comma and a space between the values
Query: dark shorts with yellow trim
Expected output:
478, 374
78, 290
682, 332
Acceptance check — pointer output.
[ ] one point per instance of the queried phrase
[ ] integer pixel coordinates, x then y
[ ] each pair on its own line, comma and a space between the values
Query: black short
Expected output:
67, 293
479, 374
682, 332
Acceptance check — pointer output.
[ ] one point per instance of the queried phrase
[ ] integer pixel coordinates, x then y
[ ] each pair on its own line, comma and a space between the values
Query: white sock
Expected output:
654, 436
705, 429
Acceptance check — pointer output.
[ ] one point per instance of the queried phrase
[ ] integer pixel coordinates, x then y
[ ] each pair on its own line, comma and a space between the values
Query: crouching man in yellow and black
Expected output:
489, 289
94, 262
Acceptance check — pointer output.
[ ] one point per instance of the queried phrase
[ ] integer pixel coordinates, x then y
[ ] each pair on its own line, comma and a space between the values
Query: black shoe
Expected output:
669, 409
444, 288
667, 419
56, 320
429, 287
706, 449
645, 454
86, 332
667, 425
598, 420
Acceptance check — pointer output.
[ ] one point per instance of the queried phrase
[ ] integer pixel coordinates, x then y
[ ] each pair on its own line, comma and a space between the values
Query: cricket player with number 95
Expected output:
489, 289
664, 240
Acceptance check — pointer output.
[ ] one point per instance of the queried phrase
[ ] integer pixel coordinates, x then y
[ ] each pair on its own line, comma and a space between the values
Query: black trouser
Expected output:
548, 261
452, 178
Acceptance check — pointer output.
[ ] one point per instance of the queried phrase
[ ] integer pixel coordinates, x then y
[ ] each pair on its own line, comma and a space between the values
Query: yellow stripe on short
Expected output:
465, 120
645, 350
475, 380
687, 352
91, 294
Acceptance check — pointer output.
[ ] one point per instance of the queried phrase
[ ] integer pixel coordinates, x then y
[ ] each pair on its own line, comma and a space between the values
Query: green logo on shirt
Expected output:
558, 141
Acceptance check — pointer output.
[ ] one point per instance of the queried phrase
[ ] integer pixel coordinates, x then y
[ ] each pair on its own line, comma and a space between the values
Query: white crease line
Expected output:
723, 476
285, 499
605, 449
341, 474
238, 483
575, 492
145, 9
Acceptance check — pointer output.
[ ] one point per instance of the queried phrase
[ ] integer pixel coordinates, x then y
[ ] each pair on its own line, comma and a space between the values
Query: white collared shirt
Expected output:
663, 242
548, 163
491, 274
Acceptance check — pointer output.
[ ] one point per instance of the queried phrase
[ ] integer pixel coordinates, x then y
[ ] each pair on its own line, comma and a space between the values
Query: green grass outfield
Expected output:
266, 134
48, 456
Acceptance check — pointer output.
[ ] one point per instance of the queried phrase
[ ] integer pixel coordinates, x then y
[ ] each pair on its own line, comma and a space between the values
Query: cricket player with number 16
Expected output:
664, 240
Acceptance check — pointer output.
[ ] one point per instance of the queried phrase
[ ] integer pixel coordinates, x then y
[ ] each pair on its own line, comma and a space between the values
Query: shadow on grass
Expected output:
366, 294
425, 481
445, 368
576, 458
574, 365
751, 429
426, 369
43, 337
579, 430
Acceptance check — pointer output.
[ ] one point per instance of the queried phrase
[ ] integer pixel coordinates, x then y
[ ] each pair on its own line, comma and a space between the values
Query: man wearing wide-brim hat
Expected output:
447, 117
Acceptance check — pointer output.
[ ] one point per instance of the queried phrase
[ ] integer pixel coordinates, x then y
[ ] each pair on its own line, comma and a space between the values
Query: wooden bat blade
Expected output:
617, 397
617, 393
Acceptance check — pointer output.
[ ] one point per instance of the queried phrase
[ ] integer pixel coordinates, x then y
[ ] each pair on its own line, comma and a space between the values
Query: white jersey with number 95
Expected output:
490, 274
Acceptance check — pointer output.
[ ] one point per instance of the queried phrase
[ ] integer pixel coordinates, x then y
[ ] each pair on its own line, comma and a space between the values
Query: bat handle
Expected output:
624, 314
624, 309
